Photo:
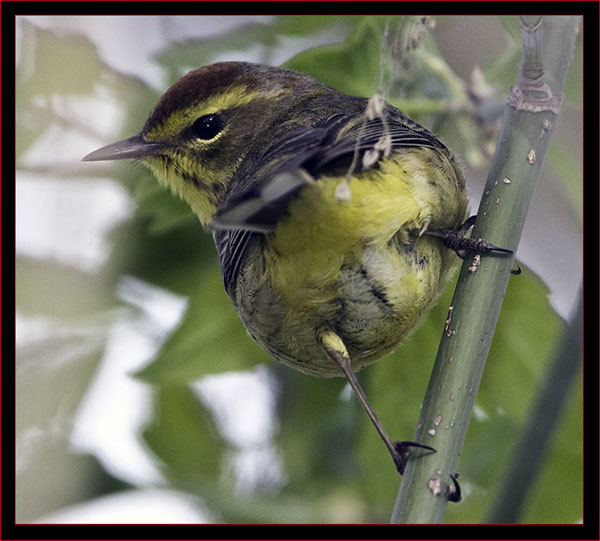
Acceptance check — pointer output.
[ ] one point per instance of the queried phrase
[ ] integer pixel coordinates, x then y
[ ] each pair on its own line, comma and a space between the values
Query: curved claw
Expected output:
402, 453
453, 493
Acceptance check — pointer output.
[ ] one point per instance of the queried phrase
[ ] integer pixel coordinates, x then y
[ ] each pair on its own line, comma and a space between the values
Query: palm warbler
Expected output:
332, 215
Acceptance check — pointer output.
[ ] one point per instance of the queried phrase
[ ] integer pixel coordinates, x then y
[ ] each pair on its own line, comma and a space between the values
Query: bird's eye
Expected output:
206, 127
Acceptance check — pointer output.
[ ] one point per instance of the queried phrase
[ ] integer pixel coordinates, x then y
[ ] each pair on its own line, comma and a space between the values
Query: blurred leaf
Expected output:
316, 429
237, 507
183, 435
191, 54
55, 367
512, 25
573, 96
210, 339
56, 72
333, 505
54, 64
176, 259
48, 287
307, 25
563, 470
503, 69
56, 477
352, 66
51, 68
570, 174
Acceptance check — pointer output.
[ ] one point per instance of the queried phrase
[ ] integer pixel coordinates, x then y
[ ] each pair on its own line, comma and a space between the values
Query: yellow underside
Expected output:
359, 265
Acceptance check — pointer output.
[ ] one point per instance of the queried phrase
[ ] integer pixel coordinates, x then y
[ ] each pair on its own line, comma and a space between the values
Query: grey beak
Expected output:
130, 148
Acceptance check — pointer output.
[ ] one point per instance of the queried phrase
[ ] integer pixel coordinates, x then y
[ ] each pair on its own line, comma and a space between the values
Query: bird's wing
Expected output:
300, 158
370, 140
254, 207
295, 162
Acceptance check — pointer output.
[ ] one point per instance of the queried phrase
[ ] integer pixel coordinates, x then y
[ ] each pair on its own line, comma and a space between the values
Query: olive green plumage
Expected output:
261, 155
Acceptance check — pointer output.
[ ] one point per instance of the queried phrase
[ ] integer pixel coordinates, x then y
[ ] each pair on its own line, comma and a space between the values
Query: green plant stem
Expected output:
529, 119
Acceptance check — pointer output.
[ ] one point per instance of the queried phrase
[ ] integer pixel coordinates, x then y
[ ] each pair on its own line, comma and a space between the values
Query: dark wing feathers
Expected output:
231, 247
370, 134
294, 162
270, 188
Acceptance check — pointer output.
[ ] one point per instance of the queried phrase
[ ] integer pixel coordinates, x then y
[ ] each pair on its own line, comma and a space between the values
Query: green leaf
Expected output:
351, 66
174, 258
512, 25
308, 25
183, 435
570, 174
562, 470
573, 95
316, 429
211, 339
43, 60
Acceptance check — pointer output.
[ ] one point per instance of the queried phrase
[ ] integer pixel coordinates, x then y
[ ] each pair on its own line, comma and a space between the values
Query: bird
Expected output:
337, 220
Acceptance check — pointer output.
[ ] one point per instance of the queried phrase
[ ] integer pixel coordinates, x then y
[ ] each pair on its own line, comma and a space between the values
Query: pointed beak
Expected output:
131, 148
